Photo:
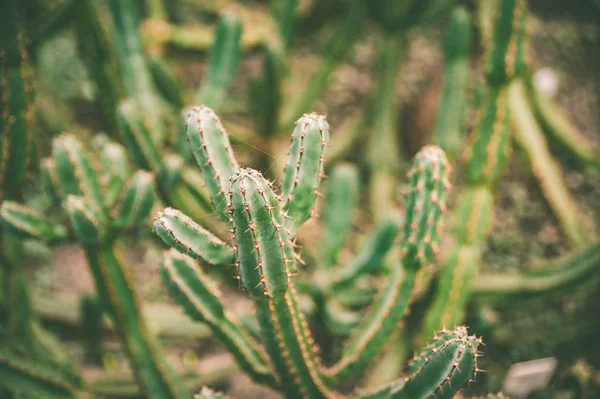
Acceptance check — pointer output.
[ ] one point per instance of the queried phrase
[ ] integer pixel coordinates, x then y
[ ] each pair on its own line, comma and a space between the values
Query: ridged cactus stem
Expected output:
121, 302
450, 123
264, 252
211, 148
487, 156
133, 68
384, 154
422, 225
200, 299
304, 169
528, 135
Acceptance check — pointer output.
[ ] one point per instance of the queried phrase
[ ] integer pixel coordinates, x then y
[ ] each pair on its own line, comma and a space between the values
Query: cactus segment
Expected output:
115, 171
200, 299
136, 136
32, 377
179, 231
371, 254
367, 341
211, 148
123, 306
450, 123
223, 63
488, 152
88, 224
425, 203
443, 368
264, 92
474, 215
48, 178
75, 172
259, 232
31, 224
552, 184
341, 201
96, 49
505, 52
453, 290
285, 15
166, 82
137, 201
133, 67
304, 168
16, 100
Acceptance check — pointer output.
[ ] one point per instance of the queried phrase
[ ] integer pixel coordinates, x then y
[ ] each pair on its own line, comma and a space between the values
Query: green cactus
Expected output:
450, 121
486, 159
263, 225
96, 225
223, 63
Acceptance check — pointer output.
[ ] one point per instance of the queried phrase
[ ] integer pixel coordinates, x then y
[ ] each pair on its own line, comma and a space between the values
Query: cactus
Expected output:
96, 225
450, 121
263, 226
223, 64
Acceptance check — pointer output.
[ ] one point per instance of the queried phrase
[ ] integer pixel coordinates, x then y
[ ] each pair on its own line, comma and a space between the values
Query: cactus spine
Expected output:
97, 225
263, 225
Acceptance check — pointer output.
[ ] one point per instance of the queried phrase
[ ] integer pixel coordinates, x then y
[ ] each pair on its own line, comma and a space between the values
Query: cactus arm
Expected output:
345, 34
370, 256
115, 171
256, 213
95, 47
425, 204
284, 13
136, 78
16, 99
556, 124
211, 148
304, 169
341, 201
30, 224
137, 201
166, 82
251, 275
89, 226
223, 62
180, 232
200, 299
558, 274
383, 152
136, 136
450, 122
32, 378
122, 304
264, 92
443, 368
529, 137
75, 171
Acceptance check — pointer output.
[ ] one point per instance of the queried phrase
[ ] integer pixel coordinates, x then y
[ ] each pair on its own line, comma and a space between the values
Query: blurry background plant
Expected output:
518, 262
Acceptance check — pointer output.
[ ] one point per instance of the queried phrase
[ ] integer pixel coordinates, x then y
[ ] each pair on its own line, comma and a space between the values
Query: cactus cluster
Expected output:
264, 226
102, 199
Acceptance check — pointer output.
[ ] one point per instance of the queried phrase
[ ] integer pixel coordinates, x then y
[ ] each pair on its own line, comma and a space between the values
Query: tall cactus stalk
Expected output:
96, 224
263, 227
487, 156
16, 144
